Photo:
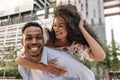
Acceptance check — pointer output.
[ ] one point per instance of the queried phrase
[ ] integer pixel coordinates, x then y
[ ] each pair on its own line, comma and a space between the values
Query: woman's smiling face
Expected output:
60, 28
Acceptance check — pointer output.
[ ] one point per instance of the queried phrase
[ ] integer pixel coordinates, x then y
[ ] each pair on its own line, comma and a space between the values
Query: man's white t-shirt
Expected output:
36, 74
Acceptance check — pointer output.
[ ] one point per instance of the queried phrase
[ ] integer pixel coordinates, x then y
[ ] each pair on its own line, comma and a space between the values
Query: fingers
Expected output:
60, 71
60, 68
81, 21
81, 16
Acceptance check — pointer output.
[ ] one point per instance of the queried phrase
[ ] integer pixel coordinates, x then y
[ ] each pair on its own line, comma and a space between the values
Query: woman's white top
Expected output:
78, 50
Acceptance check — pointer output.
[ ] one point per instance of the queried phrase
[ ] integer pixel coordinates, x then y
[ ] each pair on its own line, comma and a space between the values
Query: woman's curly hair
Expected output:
71, 18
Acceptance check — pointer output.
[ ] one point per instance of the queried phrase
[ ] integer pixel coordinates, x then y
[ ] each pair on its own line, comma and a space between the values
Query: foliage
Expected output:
111, 62
11, 73
8, 62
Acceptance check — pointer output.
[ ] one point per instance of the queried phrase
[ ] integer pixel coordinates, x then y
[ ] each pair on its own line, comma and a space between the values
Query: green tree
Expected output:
8, 63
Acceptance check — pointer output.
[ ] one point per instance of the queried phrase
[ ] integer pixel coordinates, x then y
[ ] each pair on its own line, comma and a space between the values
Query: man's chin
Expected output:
35, 55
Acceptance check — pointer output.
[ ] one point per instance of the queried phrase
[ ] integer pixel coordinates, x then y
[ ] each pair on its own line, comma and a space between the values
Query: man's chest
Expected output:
36, 74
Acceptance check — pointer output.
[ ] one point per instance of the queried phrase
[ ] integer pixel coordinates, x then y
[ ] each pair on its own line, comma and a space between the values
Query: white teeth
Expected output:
58, 33
34, 49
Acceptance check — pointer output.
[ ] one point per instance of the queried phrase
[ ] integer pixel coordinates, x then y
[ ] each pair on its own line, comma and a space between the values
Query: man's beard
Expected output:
35, 55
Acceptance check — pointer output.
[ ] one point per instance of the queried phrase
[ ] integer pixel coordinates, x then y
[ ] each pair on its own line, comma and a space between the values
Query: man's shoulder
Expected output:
53, 50
49, 49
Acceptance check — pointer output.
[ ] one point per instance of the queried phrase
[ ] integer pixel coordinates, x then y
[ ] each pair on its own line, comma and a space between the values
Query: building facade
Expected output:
112, 7
112, 19
12, 20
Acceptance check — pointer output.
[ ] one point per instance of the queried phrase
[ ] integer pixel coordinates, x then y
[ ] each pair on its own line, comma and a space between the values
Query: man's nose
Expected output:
34, 41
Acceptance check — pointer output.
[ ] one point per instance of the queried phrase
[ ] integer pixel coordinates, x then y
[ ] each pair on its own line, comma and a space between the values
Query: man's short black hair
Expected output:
29, 24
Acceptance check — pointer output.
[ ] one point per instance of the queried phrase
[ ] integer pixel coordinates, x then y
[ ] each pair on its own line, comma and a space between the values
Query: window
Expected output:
92, 22
75, 1
87, 13
94, 13
81, 7
100, 22
68, 1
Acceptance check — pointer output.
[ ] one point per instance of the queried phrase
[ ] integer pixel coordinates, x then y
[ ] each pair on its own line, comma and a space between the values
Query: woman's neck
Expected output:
59, 43
62, 43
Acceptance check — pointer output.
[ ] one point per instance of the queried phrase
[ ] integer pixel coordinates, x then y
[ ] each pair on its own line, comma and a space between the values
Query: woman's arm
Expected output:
51, 67
97, 52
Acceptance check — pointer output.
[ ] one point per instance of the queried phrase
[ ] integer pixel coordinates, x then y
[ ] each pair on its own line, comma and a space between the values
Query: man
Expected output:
33, 42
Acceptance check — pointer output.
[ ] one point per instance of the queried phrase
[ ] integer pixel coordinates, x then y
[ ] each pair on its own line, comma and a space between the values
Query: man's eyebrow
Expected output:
30, 34
39, 34
60, 23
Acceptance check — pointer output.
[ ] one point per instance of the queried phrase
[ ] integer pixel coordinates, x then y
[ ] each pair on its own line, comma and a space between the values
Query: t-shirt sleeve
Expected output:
22, 72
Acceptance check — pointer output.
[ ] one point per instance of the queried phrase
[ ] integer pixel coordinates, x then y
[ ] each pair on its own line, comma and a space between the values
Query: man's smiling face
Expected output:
33, 41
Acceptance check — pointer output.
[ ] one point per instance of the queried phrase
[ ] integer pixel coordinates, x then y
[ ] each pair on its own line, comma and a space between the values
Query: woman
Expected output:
69, 33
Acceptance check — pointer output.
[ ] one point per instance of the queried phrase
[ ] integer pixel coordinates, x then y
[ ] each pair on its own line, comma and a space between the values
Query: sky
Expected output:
112, 22
8, 4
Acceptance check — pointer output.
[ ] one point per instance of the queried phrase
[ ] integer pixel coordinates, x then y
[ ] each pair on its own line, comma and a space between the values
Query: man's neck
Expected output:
34, 59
